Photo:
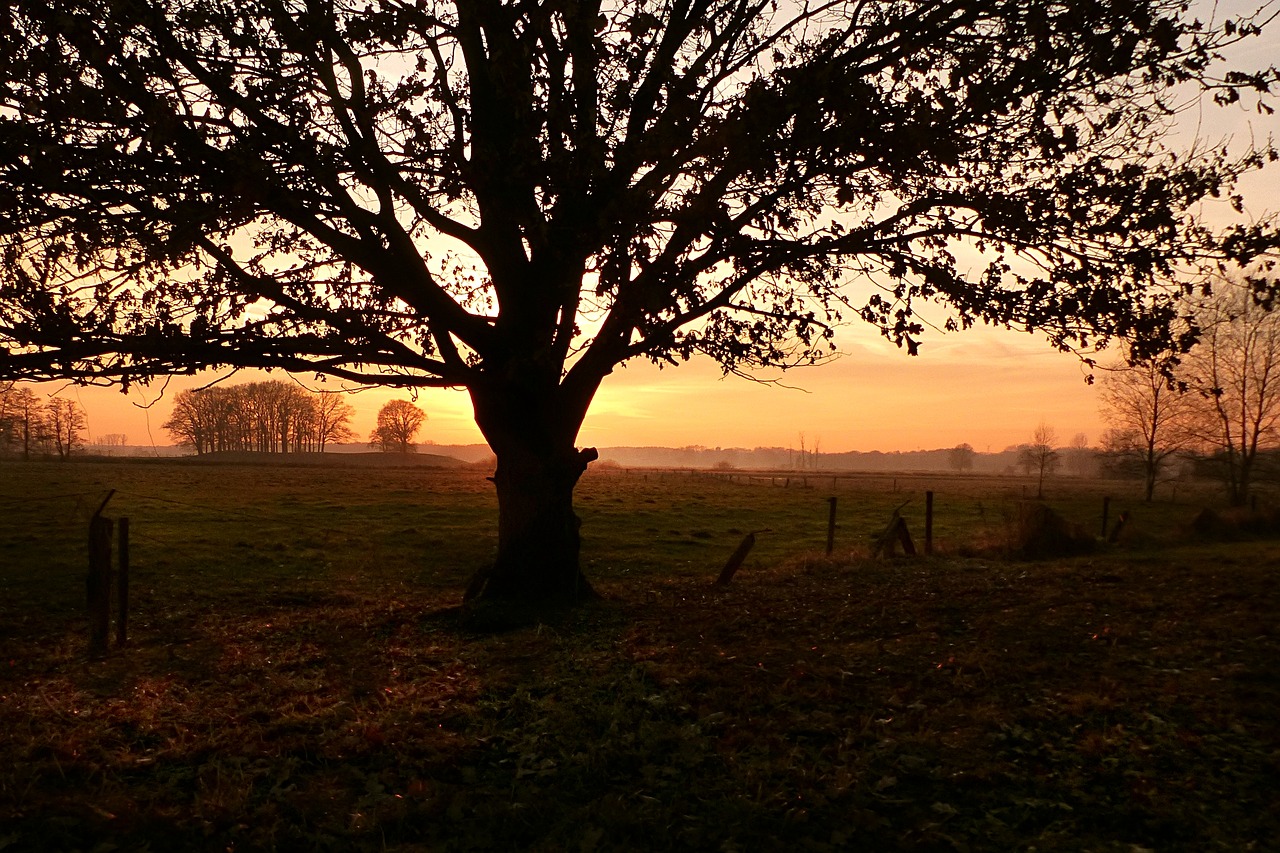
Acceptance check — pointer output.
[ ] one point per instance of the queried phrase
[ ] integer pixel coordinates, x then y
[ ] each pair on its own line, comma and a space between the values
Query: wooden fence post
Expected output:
1106, 507
928, 523
831, 526
122, 583
737, 559
99, 584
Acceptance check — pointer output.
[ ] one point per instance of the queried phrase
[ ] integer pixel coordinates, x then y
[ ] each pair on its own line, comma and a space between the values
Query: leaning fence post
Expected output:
737, 559
122, 583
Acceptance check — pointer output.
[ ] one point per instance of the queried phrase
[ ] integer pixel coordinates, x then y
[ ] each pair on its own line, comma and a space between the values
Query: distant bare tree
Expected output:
299, 433
398, 423
1235, 367
25, 417
1149, 419
961, 457
8, 396
1078, 456
333, 416
65, 423
196, 422
280, 414
805, 459
1039, 457
109, 442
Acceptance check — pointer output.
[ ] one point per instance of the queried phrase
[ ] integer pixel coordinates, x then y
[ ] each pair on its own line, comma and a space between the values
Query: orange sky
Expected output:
984, 387
990, 388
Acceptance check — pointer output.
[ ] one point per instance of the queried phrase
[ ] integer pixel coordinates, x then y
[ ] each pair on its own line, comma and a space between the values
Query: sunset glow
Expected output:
986, 387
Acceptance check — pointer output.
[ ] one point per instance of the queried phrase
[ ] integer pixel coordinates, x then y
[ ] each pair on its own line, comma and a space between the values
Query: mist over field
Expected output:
697, 457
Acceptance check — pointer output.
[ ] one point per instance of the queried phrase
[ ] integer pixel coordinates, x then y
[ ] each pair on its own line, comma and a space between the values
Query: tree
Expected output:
1039, 457
1235, 368
8, 421
22, 419
1148, 417
960, 457
807, 459
517, 197
1078, 456
333, 419
201, 419
65, 422
398, 423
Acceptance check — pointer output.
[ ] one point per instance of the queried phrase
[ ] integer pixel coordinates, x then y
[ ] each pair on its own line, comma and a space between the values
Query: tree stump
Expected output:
895, 533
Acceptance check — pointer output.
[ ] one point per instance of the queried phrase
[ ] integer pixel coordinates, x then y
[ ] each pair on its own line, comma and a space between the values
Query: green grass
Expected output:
296, 679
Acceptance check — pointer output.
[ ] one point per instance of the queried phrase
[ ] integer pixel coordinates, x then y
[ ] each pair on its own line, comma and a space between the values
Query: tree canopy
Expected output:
398, 425
415, 193
515, 197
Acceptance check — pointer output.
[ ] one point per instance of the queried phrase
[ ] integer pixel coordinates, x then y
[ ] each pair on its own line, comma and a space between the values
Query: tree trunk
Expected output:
538, 467
1243, 478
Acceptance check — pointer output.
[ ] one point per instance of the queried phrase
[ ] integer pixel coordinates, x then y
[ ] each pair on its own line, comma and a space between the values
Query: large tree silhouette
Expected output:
515, 197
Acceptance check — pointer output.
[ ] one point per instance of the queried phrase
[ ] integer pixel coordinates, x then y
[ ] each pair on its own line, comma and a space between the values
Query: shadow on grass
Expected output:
900, 705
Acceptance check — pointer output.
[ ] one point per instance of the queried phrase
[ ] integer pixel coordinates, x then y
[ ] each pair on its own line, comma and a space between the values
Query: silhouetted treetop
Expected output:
412, 192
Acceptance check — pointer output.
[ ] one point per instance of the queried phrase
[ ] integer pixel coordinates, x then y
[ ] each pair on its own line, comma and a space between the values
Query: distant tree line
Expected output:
273, 416
35, 428
1211, 411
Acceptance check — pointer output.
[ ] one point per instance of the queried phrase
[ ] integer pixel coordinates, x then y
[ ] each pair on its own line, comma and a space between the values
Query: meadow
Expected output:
297, 677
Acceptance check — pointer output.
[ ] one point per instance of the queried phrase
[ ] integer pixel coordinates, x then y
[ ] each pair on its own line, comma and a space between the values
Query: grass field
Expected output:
297, 680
